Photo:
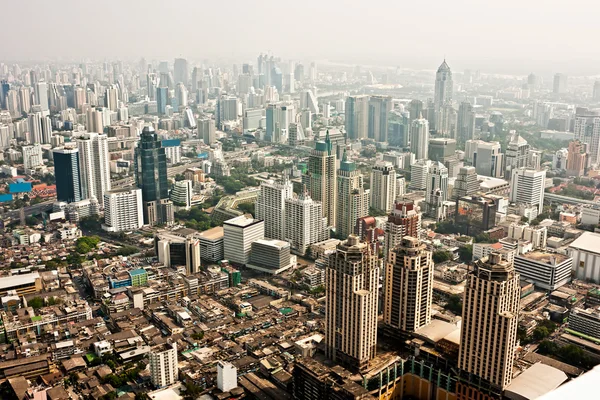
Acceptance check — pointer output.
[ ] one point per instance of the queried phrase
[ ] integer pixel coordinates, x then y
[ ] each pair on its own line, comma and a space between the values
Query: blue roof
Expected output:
171, 142
23, 187
4, 197
139, 271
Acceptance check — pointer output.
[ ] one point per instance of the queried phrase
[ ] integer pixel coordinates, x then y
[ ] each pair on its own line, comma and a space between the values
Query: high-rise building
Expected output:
466, 183
383, 186
352, 280
357, 117
419, 138
527, 187
238, 235
25, 99
162, 99
181, 93
35, 127
226, 109
179, 248
41, 95
465, 129
576, 159
68, 187
415, 108
352, 198
123, 210
270, 206
379, 110
151, 177
308, 100
95, 120
408, 286
180, 71
322, 178
447, 121
475, 214
111, 98
488, 159
296, 135
516, 153
278, 119
596, 91
94, 164
443, 91
32, 156
436, 189
181, 194
207, 131
441, 149
12, 103
163, 365
226, 376
587, 130
404, 220
560, 84
305, 223
490, 321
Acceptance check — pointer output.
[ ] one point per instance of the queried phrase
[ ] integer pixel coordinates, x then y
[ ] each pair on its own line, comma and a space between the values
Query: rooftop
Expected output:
545, 257
588, 241
18, 280
212, 233
536, 381
242, 221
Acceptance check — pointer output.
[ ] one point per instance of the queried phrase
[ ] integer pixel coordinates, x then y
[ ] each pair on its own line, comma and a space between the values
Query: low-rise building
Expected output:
547, 271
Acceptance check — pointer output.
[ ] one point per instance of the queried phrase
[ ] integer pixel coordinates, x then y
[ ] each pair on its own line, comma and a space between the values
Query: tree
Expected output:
248, 208
455, 304
540, 333
36, 302
441, 256
198, 336
376, 213
465, 253
85, 244
179, 177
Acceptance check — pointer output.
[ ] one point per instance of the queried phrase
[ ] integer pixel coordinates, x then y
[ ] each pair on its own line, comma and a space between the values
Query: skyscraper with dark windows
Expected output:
66, 167
162, 99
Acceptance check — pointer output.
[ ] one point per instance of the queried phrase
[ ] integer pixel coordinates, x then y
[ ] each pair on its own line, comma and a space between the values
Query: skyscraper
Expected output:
94, 165
560, 84
576, 159
352, 198
489, 160
404, 220
587, 130
162, 99
180, 69
383, 186
352, 279
466, 183
66, 165
490, 320
516, 154
151, 177
437, 189
111, 98
207, 131
379, 110
322, 178
596, 91
41, 96
465, 129
357, 117
443, 91
270, 206
408, 286
419, 138
35, 127
305, 224
527, 187
123, 210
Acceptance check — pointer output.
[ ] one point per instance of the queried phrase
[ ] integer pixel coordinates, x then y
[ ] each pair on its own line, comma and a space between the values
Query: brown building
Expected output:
404, 220
577, 158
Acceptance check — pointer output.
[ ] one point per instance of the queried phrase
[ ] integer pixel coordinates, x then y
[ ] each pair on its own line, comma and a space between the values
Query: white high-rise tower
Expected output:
94, 165
270, 206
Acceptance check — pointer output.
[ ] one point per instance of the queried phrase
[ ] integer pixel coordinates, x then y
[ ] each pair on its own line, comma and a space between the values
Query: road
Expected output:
31, 210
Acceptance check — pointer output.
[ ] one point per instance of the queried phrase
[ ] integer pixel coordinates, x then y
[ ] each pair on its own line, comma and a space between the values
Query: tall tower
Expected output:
352, 279
357, 114
352, 198
379, 110
490, 319
68, 187
437, 189
151, 177
465, 129
41, 96
443, 91
304, 223
94, 165
516, 154
466, 183
419, 138
404, 220
527, 187
322, 178
180, 71
408, 286
576, 158
111, 98
383, 186
270, 206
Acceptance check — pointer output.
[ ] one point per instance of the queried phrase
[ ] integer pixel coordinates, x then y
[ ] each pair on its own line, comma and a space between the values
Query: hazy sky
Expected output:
502, 36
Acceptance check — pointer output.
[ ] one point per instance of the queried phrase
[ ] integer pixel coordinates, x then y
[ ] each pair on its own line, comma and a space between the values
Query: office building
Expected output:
586, 257
226, 109
436, 190
211, 244
322, 178
162, 100
270, 206
34, 121
296, 135
351, 282
308, 100
151, 177
305, 223
547, 271
163, 365
179, 248
111, 98
383, 186
68, 183
379, 111
278, 119
357, 117
207, 131
123, 210
181, 94
527, 187
560, 84
239, 234
587, 130
253, 119
488, 159
466, 183
32, 156
419, 138
475, 214
94, 165
181, 193
271, 256
226, 376
465, 125
41, 96
489, 325
442, 92
180, 71
418, 174
408, 287
586, 322
404, 220
352, 198
577, 158
537, 235
25, 99
516, 154
441, 149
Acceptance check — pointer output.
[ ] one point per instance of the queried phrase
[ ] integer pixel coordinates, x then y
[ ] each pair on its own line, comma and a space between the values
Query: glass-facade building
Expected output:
66, 170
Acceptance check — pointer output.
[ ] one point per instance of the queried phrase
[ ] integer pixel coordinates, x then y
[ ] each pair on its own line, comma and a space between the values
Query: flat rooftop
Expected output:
213, 233
535, 381
242, 221
544, 257
588, 241
7, 282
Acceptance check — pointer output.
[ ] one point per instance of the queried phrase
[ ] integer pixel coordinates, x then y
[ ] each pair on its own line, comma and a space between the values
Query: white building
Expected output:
585, 251
585, 321
590, 215
419, 138
546, 270
181, 194
32, 156
527, 187
383, 186
123, 210
94, 165
537, 235
271, 256
226, 376
173, 154
163, 365
305, 224
436, 189
211, 244
270, 206
239, 234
